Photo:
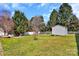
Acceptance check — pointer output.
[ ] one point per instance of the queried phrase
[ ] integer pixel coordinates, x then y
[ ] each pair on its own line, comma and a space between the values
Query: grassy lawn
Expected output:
46, 45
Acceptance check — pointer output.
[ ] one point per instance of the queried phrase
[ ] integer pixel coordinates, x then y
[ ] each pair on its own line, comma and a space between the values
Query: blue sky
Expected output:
36, 9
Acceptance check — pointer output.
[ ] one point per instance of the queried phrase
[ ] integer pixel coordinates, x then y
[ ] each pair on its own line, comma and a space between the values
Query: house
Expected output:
1, 32
59, 30
31, 33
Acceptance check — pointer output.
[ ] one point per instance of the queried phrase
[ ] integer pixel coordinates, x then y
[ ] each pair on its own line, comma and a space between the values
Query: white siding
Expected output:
1, 33
29, 33
59, 30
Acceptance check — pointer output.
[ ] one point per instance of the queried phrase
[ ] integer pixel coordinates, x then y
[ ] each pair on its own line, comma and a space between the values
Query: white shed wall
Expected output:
59, 30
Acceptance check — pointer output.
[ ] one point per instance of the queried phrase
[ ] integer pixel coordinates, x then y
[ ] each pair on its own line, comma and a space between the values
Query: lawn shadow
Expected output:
77, 42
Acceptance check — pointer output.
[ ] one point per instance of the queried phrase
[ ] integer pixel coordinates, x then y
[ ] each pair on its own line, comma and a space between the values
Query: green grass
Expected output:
46, 45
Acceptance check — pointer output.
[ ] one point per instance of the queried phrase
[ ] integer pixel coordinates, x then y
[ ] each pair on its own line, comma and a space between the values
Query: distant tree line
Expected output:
65, 17
22, 24
19, 24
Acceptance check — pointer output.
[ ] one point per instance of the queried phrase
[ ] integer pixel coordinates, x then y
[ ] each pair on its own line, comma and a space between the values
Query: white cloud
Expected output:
41, 5
12, 13
46, 15
75, 9
14, 5
6, 6
18, 7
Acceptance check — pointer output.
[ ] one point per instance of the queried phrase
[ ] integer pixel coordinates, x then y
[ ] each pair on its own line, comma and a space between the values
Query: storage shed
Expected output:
59, 30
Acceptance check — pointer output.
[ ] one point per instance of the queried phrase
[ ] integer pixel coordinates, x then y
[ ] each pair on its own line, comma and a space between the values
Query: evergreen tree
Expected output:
67, 18
73, 24
21, 23
65, 12
53, 19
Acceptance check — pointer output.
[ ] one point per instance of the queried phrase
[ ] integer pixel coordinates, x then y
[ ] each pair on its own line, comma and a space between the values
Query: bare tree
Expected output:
6, 23
36, 22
